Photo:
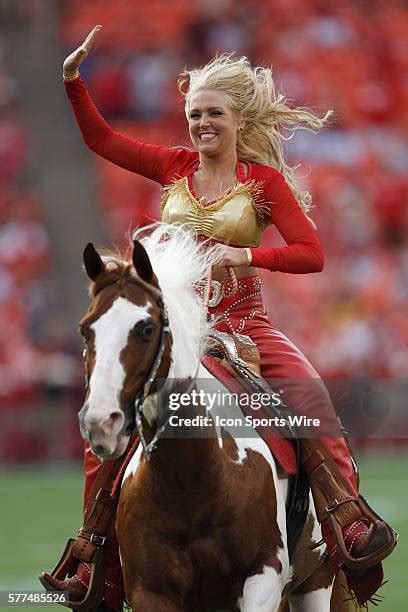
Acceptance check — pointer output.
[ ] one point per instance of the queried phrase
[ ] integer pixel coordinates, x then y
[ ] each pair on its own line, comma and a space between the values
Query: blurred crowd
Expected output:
31, 363
350, 56
24, 245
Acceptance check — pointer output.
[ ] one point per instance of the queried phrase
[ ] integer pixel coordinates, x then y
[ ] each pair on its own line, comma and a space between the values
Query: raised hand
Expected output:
75, 59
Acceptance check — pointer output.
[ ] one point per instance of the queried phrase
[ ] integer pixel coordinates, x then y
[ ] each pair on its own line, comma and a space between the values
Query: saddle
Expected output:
234, 360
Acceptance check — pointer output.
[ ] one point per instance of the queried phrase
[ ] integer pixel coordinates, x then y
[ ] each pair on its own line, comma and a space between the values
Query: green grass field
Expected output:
41, 508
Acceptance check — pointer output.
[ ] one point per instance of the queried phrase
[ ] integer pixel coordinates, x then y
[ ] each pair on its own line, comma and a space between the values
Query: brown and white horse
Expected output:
201, 521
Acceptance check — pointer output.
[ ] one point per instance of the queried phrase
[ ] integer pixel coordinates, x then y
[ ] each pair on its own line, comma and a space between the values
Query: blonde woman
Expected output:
229, 188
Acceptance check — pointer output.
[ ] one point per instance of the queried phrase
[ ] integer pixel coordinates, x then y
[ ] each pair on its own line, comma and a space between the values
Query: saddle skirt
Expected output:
281, 448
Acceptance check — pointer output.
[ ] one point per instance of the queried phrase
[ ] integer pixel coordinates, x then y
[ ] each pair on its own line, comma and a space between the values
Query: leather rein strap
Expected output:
147, 383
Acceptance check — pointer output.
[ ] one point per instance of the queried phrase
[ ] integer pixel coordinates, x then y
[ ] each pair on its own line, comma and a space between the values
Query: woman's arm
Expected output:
304, 252
153, 162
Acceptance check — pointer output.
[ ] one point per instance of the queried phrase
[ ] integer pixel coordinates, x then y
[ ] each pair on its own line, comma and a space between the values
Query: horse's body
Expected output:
201, 524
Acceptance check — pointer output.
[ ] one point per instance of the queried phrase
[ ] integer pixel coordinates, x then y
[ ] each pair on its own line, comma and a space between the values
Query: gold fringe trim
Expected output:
253, 189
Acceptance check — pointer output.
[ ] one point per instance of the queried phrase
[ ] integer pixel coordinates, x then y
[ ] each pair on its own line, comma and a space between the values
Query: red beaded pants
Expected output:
284, 364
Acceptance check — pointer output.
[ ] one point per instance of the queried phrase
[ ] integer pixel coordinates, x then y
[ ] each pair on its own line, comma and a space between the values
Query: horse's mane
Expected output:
179, 261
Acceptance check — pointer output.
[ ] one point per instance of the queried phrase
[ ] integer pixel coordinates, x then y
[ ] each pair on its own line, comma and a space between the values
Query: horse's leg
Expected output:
314, 594
315, 601
262, 592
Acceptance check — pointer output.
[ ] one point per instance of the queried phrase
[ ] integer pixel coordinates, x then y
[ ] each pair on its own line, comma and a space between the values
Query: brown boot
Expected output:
77, 585
89, 571
357, 538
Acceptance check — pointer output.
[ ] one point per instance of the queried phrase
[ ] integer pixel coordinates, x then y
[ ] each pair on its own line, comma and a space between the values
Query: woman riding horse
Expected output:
228, 189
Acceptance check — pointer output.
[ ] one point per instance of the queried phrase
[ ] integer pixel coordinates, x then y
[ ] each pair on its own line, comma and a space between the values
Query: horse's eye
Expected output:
147, 332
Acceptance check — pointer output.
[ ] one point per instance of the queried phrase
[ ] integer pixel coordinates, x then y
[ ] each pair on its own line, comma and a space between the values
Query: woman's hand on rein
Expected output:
231, 257
75, 59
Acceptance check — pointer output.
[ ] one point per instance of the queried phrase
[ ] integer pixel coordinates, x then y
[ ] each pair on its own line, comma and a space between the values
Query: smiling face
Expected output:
213, 125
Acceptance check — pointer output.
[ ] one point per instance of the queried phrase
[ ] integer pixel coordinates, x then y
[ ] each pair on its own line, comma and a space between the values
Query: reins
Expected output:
143, 393
148, 381
216, 287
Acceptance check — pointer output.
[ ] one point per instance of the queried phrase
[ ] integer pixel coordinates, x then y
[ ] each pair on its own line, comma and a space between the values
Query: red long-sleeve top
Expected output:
303, 253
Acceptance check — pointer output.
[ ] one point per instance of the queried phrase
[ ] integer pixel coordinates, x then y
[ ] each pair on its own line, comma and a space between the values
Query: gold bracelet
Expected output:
248, 255
71, 78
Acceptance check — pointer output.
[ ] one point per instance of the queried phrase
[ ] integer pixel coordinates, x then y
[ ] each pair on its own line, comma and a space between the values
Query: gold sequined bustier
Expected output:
236, 218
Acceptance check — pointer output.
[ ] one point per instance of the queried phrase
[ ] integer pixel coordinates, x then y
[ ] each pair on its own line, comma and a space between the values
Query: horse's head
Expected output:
122, 329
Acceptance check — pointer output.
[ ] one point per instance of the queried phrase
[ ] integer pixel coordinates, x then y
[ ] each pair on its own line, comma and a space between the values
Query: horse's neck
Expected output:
186, 462
191, 454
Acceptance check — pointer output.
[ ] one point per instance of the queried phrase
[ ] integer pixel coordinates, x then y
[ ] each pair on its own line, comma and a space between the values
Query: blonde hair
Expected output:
252, 94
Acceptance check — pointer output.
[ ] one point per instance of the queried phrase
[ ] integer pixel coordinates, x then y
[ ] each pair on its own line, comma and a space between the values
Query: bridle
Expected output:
137, 413
136, 420
142, 394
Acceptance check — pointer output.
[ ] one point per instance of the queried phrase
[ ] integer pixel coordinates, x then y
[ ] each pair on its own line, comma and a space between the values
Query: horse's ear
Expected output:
141, 262
93, 263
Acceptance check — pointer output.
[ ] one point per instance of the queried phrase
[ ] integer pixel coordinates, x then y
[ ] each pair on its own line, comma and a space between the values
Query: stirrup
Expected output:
66, 565
384, 538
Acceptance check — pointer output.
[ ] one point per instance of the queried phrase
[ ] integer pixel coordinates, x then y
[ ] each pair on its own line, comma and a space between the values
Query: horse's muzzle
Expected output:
104, 433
